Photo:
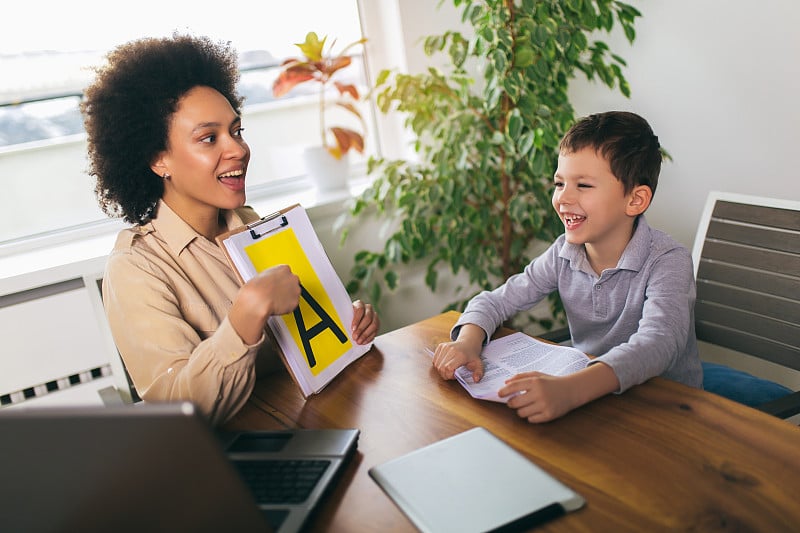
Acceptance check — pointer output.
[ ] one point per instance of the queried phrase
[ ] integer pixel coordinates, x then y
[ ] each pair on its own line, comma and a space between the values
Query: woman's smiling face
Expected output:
206, 157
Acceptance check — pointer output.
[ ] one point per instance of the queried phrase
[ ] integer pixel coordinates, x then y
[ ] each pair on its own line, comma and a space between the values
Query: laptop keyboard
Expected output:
282, 481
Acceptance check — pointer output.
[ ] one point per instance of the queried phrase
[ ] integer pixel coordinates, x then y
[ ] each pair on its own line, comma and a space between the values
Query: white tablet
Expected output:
473, 482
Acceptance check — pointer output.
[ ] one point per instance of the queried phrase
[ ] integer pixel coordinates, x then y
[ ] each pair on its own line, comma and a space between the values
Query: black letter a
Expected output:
325, 322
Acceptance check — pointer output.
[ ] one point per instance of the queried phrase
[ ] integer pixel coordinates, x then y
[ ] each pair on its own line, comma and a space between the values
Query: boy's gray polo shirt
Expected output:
638, 318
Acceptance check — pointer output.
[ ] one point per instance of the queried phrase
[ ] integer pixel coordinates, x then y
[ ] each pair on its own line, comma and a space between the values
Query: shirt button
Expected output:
597, 287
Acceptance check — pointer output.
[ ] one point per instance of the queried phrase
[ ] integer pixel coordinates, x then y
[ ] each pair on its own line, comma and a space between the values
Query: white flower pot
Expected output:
326, 172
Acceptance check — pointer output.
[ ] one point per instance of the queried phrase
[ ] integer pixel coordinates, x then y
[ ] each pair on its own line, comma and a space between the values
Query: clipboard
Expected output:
314, 340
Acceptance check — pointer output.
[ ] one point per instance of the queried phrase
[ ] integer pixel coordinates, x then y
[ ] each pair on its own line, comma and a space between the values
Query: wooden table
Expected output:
660, 457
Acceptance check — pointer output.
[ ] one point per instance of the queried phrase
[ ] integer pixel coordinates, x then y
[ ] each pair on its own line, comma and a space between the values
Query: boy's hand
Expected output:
451, 355
365, 322
538, 397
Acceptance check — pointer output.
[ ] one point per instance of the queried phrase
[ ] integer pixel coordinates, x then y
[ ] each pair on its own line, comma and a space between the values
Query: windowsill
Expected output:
94, 244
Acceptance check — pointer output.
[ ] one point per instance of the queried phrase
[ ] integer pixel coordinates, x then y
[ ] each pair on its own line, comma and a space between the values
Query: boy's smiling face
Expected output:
593, 205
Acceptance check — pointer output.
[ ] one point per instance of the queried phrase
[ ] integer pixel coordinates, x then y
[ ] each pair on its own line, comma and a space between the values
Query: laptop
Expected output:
473, 482
157, 467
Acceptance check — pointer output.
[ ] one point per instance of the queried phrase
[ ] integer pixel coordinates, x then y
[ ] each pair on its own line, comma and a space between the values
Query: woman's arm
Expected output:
168, 358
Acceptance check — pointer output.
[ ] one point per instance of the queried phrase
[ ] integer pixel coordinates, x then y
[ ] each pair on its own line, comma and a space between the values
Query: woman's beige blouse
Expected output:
167, 291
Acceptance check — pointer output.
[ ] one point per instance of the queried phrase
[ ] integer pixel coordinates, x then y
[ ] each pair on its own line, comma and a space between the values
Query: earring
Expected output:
166, 176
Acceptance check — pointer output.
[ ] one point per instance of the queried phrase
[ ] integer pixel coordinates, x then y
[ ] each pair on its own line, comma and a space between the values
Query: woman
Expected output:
166, 148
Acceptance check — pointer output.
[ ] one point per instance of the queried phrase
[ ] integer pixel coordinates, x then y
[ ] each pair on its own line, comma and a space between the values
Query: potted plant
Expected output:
477, 200
327, 162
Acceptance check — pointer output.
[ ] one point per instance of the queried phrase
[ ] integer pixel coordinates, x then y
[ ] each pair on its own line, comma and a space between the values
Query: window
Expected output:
42, 145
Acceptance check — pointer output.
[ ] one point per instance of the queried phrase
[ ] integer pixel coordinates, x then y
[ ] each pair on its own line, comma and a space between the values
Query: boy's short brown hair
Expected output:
625, 139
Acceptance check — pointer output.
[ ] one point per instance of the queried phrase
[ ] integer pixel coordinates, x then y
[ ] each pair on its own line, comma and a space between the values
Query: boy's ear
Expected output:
639, 200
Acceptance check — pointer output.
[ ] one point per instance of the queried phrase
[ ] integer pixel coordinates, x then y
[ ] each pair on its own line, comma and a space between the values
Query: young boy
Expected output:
628, 289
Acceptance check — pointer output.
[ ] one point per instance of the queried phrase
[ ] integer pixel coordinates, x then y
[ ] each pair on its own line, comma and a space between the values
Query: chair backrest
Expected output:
747, 266
123, 383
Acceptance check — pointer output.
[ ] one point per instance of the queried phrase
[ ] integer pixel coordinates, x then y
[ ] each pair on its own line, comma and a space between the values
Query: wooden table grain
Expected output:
660, 457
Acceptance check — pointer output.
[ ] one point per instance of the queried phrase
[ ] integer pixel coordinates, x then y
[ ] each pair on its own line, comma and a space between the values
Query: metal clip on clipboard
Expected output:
278, 221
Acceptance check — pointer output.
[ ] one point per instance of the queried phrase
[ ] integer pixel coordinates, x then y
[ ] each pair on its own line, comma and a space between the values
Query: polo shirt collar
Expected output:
176, 232
638, 250
633, 257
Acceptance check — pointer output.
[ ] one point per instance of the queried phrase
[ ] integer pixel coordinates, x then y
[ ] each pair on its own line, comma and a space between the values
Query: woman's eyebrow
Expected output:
202, 125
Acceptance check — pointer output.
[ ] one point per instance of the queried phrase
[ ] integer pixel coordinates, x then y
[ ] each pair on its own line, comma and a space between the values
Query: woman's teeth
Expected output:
232, 174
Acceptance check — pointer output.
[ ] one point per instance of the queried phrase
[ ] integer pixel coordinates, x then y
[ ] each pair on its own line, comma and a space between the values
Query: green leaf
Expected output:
476, 15
505, 37
458, 51
630, 33
542, 68
383, 75
514, 124
430, 278
524, 57
580, 40
525, 143
391, 279
352, 287
359, 272
624, 87
433, 44
627, 12
499, 60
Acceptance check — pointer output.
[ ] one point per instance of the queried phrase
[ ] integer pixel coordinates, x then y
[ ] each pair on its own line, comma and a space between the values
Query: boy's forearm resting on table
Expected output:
541, 398
593, 382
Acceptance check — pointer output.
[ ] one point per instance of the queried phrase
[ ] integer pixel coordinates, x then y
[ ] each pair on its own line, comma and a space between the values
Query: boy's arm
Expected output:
464, 350
520, 292
664, 330
540, 398
591, 383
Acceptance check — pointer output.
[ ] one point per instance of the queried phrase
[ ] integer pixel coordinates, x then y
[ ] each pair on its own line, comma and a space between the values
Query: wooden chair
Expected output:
747, 266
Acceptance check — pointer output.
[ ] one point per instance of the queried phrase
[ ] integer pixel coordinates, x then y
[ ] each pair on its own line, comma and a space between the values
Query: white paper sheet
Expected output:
516, 353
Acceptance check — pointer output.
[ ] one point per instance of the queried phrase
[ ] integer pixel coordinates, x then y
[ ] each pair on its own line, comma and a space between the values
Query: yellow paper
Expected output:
322, 338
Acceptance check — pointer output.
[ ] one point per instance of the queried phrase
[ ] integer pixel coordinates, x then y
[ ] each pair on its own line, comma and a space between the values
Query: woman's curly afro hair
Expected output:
127, 112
